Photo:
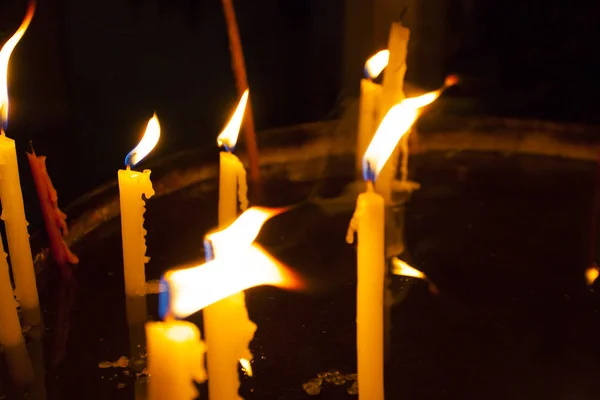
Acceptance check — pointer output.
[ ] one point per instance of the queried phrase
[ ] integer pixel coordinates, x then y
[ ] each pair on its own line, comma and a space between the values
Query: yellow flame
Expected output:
228, 137
591, 274
243, 231
5, 53
396, 123
377, 63
148, 142
400, 267
246, 367
192, 289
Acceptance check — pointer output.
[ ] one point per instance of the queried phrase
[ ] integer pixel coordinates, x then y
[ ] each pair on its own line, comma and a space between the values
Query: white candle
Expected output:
392, 93
368, 221
13, 211
10, 328
227, 346
370, 97
132, 185
175, 360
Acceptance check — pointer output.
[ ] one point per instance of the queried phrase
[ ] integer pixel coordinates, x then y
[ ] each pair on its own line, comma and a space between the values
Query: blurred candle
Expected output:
233, 186
13, 211
132, 186
370, 94
175, 360
392, 93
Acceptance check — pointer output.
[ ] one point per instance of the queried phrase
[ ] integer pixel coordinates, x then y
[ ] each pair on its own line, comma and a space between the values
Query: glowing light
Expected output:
591, 274
376, 64
246, 367
192, 289
401, 268
228, 137
180, 333
396, 123
242, 232
148, 142
5, 53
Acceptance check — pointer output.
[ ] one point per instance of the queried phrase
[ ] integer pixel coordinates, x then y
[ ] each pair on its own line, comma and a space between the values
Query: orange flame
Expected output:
591, 274
192, 289
401, 268
238, 265
396, 123
242, 232
377, 63
148, 142
228, 137
5, 53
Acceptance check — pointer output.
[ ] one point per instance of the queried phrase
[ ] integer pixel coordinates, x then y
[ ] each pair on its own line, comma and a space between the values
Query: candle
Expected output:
392, 93
227, 347
10, 328
132, 185
233, 186
370, 94
54, 218
13, 211
369, 222
175, 360
238, 264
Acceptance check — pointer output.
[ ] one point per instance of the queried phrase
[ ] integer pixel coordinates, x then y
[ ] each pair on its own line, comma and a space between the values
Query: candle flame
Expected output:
591, 274
5, 53
376, 64
396, 123
246, 367
228, 137
401, 268
192, 289
243, 231
148, 142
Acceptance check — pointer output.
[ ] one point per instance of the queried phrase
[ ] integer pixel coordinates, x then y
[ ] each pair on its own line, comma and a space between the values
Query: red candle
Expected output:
54, 218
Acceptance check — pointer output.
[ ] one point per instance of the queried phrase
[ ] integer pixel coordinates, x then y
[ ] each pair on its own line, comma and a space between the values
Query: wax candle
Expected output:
368, 222
10, 327
392, 93
175, 360
233, 186
13, 211
54, 218
370, 94
132, 186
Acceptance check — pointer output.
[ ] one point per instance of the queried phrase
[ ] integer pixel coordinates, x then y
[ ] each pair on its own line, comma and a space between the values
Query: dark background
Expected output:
88, 74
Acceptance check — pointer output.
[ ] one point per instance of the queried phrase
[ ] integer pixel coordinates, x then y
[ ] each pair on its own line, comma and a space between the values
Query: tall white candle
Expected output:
132, 185
227, 346
368, 221
392, 93
13, 211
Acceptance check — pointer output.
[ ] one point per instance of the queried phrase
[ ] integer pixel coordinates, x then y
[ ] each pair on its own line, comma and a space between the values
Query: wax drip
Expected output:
242, 188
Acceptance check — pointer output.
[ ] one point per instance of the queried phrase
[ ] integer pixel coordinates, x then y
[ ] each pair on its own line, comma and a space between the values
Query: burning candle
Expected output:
233, 186
175, 360
132, 186
13, 212
392, 93
217, 288
369, 222
370, 94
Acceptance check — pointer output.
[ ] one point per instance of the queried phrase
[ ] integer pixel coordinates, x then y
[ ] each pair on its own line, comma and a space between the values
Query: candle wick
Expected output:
31, 148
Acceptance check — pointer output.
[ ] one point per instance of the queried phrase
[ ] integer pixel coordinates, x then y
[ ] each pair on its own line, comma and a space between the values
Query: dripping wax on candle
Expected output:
132, 186
13, 211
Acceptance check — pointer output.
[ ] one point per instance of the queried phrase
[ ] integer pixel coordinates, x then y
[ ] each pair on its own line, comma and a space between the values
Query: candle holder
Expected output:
513, 305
